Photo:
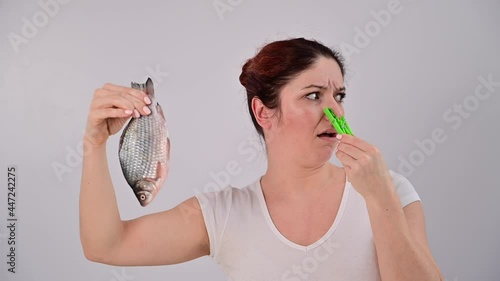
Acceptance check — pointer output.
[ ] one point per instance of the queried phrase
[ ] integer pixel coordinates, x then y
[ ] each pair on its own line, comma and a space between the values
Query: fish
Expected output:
144, 149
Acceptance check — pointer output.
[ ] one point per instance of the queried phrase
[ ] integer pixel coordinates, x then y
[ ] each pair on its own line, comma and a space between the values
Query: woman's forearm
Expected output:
100, 222
399, 256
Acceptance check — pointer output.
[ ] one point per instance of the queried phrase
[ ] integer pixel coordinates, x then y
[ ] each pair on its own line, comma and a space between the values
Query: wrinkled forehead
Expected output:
325, 73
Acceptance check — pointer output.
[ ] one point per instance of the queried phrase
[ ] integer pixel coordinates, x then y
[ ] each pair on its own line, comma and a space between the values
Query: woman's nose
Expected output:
336, 107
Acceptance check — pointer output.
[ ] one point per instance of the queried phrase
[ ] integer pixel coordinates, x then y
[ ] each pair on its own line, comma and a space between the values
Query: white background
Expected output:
404, 81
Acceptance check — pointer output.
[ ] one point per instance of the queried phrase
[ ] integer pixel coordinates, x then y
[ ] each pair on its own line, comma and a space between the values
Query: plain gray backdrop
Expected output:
417, 86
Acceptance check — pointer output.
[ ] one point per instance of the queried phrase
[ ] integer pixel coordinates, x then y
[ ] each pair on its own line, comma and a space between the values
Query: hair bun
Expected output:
245, 72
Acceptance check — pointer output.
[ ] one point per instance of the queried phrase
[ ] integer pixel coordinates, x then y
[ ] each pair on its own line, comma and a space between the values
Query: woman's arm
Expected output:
162, 238
400, 240
168, 237
100, 224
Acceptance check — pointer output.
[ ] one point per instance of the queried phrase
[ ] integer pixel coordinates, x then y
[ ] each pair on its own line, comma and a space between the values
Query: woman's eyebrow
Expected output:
323, 87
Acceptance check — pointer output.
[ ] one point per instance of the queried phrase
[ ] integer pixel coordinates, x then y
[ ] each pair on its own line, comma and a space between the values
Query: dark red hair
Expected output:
264, 75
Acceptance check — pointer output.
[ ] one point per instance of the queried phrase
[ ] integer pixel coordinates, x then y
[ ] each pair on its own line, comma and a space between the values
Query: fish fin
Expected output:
168, 148
135, 85
160, 177
158, 169
150, 89
146, 87
160, 111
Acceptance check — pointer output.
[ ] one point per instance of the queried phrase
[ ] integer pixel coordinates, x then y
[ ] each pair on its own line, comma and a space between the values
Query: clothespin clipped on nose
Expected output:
340, 124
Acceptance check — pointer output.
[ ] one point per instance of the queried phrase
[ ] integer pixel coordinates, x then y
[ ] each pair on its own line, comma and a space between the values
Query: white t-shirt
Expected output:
247, 246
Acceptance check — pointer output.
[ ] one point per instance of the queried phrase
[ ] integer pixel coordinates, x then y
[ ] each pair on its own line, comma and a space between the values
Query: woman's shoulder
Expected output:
229, 194
404, 188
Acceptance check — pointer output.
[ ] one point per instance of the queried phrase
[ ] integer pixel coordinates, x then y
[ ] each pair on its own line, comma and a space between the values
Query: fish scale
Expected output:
144, 149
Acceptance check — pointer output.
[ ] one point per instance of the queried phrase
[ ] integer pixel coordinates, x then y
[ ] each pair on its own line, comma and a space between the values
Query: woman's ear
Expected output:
262, 113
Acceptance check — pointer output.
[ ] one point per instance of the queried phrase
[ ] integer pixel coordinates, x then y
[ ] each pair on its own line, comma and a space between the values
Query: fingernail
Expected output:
146, 109
136, 113
147, 100
339, 136
128, 111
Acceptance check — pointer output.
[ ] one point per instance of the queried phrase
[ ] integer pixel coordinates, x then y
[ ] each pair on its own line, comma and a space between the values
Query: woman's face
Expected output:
302, 118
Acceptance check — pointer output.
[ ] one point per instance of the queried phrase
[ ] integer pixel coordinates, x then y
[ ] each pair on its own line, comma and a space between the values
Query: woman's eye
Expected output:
313, 96
340, 97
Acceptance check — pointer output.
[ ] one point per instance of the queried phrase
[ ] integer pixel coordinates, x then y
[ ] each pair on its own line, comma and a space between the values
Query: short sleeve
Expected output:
215, 207
404, 188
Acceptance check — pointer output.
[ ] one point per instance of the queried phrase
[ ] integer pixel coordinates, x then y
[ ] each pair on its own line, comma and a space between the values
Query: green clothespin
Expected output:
340, 124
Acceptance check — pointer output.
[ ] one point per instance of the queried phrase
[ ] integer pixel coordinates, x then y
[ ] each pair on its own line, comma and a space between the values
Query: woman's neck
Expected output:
297, 181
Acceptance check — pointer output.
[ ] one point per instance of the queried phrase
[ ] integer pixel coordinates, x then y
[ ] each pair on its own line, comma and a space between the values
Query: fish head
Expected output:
144, 191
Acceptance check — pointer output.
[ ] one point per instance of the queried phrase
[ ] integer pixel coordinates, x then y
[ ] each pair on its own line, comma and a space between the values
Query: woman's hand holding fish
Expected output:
110, 109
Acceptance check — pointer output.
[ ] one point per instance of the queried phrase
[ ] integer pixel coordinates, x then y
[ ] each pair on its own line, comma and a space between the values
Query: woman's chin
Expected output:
326, 154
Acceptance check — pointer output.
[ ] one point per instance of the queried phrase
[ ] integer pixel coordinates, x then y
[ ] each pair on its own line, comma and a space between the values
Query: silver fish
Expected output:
144, 149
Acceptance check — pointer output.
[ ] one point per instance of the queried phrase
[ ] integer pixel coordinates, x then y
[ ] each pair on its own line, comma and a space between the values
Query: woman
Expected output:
304, 219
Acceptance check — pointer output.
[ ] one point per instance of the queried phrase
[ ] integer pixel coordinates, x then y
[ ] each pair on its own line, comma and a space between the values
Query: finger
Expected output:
102, 114
107, 100
139, 104
350, 150
133, 92
355, 141
346, 159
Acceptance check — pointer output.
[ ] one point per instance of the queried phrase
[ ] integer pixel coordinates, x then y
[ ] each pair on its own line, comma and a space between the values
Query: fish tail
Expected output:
147, 87
137, 86
150, 90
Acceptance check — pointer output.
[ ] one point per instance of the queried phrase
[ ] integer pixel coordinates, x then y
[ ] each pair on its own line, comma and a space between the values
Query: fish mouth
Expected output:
144, 191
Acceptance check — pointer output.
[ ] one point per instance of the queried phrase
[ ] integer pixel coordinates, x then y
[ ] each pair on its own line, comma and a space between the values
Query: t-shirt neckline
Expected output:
285, 240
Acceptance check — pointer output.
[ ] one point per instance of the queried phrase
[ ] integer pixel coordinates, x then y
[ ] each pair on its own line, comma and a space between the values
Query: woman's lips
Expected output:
329, 138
